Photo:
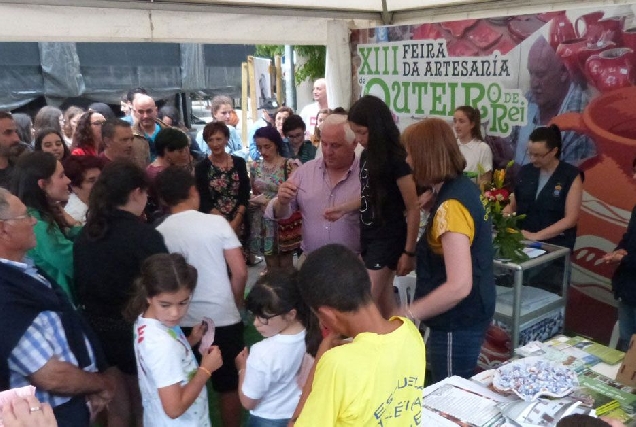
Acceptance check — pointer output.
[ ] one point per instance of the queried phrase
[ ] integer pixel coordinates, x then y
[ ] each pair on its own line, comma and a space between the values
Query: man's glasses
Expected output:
18, 218
295, 135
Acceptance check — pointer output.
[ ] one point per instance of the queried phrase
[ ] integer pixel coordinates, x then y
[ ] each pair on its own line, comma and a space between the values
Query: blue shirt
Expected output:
234, 145
254, 153
151, 142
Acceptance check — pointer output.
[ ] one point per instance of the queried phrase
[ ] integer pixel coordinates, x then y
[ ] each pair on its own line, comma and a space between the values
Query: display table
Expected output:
456, 401
533, 293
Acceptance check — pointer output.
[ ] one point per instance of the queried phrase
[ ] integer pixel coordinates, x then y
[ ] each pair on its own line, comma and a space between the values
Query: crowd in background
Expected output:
137, 207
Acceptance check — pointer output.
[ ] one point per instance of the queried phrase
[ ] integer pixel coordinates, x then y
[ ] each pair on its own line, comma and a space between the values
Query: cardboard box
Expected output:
627, 372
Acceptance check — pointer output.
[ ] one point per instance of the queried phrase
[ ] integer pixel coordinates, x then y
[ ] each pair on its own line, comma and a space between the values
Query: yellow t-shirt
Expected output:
375, 380
451, 216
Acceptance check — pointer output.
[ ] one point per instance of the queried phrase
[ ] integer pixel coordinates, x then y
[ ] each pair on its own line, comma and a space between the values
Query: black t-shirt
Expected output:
393, 220
5, 176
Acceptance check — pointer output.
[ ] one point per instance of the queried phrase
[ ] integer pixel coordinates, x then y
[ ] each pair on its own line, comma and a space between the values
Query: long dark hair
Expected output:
160, 273
29, 169
276, 292
83, 136
37, 145
111, 190
383, 145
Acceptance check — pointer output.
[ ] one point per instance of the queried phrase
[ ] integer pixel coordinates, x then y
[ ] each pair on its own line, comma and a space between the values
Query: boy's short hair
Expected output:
333, 276
173, 185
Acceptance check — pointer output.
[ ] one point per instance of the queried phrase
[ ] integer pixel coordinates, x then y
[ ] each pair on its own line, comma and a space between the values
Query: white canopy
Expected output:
294, 22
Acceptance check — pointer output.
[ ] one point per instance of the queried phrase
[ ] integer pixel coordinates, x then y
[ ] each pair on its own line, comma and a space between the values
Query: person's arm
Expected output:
486, 163
203, 186
254, 153
241, 366
243, 193
459, 278
336, 212
511, 207
238, 273
176, 399
64, 378
406, 263
573, 203
281, 204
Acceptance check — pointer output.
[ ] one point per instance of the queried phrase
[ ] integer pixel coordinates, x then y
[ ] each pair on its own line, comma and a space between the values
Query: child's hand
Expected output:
212, 360
241, 359
197, 333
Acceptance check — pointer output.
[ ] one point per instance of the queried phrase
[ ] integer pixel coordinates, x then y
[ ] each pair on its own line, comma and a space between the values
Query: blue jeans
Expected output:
255, 421
626, 323
454, 353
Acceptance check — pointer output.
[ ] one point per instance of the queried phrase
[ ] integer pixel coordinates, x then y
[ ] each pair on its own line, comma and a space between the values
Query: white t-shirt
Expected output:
308, 114
476, 153
270, 375
76, 208
164, 358
201, 239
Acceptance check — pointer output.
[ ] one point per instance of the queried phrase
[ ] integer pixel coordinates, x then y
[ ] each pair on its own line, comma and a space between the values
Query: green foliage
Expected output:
507, 239
315, 57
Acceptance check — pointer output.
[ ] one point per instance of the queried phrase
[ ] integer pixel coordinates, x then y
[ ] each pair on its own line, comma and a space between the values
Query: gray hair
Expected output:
339, 120
4, 202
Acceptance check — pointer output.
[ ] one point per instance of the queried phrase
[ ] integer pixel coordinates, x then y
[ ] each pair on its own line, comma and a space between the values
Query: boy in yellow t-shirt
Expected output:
377, 379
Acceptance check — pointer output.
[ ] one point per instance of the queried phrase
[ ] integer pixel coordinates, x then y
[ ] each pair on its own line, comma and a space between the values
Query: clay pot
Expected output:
586, 26
609, 119
611, 69
568, 51
561, 29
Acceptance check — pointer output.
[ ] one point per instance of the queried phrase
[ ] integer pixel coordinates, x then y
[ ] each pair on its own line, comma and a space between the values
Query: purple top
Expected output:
316, 194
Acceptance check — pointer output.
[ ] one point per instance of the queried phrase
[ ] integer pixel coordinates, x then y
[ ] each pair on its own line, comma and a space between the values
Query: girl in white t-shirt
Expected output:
478, 155
172, 384
272, 375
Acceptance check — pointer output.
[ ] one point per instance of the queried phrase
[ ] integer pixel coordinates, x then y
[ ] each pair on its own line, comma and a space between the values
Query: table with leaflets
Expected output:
478, 403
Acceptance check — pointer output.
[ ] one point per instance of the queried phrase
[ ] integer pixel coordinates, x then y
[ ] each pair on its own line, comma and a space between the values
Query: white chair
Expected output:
405, 286
613, 342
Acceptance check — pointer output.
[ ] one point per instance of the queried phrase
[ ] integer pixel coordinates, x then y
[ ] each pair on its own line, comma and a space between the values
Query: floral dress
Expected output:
263, 231
223, 189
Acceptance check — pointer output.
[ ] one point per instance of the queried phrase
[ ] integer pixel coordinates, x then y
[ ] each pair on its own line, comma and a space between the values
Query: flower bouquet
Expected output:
507, 238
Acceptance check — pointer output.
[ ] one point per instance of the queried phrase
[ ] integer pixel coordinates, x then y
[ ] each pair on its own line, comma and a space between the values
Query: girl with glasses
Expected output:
271, 375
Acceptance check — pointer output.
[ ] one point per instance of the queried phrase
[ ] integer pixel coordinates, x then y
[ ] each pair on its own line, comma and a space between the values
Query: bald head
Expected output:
549, 79
145, 112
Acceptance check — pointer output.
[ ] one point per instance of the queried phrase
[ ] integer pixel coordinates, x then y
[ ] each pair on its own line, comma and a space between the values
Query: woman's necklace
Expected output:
225, 163
271, 167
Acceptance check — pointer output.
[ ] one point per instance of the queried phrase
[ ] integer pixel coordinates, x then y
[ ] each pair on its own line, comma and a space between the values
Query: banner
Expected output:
572, 68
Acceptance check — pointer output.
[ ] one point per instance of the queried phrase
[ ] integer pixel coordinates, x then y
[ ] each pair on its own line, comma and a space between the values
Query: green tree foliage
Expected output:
315, 57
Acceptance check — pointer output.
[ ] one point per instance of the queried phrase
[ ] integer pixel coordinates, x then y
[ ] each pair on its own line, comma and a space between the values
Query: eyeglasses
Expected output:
18, 218
537, 156
265, 319
98, 123
295, 135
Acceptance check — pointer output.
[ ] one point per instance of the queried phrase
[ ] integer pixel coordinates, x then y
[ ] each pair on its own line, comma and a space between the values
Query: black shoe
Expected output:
257, 260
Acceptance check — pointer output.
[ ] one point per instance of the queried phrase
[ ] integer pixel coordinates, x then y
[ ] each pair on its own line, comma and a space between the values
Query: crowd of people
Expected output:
124, 246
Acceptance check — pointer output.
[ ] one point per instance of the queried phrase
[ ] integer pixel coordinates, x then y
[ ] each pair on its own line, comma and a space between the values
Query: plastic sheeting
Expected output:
105, 71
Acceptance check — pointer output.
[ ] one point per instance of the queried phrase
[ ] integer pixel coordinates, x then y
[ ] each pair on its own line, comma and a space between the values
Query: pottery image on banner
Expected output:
609, 119
568, 51
587, 28
611, 69
561, 29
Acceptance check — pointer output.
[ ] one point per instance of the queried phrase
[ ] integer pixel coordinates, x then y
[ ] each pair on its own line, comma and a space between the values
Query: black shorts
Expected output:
378, 253
230, 341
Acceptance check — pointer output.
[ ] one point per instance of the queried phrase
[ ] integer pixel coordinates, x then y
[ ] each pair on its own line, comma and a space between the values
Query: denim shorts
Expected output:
255, 421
